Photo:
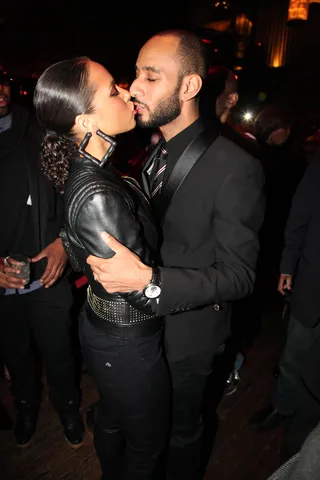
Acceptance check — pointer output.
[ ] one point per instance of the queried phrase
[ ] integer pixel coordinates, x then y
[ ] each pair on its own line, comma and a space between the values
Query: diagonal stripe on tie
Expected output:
158, 177
162, 169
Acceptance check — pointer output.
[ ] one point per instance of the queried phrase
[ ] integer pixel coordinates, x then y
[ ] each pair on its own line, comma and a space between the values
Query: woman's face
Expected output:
113, 110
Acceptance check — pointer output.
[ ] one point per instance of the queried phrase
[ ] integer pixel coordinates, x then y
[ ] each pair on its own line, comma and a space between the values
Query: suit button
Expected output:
216, 307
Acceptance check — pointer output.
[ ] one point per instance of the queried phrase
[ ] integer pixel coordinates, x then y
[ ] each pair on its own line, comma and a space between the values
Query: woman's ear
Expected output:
85, 123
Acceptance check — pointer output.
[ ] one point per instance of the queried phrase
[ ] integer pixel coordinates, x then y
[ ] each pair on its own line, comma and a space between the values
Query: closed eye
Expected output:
114, 92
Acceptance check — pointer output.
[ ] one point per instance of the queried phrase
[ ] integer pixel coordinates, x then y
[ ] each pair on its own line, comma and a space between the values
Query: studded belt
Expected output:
118, 313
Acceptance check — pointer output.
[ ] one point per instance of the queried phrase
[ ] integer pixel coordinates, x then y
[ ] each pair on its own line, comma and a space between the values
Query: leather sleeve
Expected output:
238, 216
297, 225
107, 210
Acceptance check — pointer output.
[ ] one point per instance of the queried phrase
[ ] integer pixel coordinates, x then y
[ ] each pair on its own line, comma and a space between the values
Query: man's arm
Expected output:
238, 214
298, 220
109, 209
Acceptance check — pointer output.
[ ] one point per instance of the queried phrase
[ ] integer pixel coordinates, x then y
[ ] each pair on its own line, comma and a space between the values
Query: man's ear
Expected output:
85, 123
233, 99
191, 86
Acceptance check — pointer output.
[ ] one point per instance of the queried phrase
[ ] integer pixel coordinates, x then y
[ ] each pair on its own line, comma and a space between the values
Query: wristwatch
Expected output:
153, 289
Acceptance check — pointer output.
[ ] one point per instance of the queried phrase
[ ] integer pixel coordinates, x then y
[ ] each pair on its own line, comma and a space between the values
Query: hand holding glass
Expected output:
22, 263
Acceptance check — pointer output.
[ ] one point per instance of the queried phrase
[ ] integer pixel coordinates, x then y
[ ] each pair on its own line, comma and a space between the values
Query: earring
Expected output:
83, 145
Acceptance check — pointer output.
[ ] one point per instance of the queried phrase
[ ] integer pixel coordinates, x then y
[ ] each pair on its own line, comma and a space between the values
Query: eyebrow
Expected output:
149, 69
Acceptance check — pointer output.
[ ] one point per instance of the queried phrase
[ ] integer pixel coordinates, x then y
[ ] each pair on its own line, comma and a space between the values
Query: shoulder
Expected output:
90, 189
234, 158
313, 164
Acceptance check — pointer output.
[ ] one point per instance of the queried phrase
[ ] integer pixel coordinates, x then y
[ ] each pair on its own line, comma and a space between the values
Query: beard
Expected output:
4, 111
165, 112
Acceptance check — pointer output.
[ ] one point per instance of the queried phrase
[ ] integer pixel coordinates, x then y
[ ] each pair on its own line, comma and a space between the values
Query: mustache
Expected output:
136, 102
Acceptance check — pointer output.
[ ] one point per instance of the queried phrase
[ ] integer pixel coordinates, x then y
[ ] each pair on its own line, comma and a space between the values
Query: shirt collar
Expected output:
176, 145
5, 122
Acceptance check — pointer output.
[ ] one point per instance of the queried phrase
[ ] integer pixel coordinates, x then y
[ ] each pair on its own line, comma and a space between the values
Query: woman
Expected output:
81, 108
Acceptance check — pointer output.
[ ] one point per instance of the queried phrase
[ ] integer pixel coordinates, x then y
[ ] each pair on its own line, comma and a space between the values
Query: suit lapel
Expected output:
182, 168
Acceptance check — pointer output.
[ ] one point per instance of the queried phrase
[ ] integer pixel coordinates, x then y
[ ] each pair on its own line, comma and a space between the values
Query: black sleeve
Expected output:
109, 211
298, 220
238, 216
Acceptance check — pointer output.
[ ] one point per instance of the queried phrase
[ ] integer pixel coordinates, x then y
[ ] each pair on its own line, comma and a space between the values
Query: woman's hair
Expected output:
62, 92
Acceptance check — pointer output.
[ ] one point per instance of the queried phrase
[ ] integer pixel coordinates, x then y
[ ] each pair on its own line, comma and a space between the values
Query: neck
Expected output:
182, 122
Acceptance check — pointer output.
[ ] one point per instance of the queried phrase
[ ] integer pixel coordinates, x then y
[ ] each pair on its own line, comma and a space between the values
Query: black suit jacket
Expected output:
210, 247
23, 140
301, 253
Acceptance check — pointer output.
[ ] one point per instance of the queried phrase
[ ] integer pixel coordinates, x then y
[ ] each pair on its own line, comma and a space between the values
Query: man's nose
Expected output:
135, 90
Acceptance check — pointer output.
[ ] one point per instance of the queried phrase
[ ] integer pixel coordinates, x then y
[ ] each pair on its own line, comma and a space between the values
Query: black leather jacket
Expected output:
97, 199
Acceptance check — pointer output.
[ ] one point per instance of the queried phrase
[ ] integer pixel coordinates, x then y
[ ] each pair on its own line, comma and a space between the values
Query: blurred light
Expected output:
216, 50
259, 44
276, 62
238, 67
236, 77
25, 92
298, 10
247, 116
205, 40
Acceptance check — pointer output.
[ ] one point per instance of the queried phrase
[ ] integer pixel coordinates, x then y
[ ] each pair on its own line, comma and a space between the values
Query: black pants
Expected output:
189, 379
299, 342
307, 414
43, 314
132, 426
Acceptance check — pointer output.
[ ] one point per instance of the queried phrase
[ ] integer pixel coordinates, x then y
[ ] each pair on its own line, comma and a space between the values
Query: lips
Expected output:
138, 108
3, 101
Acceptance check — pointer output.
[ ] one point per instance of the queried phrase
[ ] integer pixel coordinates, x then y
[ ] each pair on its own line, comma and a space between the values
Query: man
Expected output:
219, 94
300, 267
209, 233
31, 216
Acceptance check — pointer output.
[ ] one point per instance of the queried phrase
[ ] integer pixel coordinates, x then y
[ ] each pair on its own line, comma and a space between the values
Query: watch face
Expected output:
152, 291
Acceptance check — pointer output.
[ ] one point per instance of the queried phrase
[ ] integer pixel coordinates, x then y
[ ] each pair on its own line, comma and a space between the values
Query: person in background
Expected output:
219, 95
31, 213
300, 267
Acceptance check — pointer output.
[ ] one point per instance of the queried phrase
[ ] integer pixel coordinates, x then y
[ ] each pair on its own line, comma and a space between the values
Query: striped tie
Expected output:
159, 168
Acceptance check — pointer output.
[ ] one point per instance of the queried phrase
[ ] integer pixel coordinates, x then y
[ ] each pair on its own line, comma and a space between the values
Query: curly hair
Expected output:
56, 155
61, 94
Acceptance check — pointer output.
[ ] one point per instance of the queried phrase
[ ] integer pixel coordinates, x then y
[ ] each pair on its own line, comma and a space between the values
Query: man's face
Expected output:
5, 94
221, 103
226, 100
157, 85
